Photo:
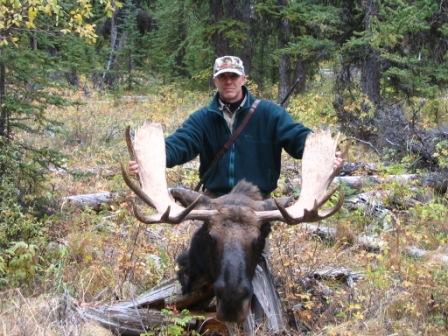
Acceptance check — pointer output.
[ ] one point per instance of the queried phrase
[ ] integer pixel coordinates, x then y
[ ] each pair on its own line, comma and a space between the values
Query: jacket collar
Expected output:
247, 103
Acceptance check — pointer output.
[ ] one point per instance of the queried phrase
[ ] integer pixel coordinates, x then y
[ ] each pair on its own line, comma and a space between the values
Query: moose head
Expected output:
225, 250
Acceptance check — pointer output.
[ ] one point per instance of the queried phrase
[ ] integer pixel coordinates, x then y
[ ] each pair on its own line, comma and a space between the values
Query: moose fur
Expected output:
225, 250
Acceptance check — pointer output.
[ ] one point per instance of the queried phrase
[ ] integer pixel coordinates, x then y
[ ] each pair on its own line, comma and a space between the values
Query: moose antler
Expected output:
148, 149
317, 174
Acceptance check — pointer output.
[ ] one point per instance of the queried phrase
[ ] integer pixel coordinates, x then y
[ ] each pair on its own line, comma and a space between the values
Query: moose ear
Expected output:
269, 203
187, 196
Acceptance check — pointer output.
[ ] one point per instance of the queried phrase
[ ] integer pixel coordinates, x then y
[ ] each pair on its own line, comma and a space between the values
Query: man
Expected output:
256, 153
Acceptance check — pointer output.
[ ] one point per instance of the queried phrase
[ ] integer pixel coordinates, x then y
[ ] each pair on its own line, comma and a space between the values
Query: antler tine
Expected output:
136, 188
313, 214
329, 212
317, 174
165, 217
129, 143
153, 219
153, 190
287, 218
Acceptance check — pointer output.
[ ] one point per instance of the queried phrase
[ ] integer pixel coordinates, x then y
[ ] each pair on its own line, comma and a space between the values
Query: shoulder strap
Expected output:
229, 142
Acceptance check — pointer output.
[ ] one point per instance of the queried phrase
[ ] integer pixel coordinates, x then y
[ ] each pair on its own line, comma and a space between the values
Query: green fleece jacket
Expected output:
254, 156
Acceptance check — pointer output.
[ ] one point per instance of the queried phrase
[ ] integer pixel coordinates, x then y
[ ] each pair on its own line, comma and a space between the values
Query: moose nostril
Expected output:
219, 288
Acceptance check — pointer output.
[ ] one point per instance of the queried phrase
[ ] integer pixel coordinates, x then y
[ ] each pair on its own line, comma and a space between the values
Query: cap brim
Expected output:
240, 73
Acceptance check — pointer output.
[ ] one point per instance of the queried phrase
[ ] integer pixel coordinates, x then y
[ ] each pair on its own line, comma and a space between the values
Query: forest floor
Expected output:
106, 254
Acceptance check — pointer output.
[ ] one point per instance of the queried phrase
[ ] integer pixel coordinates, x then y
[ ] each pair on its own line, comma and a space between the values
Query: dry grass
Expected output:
109, 255
45, 315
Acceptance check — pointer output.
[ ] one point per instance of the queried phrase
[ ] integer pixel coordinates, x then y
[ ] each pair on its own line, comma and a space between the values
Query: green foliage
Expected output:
313, 108
35, 57
411, 53
15, 223
180, 46
22, 262
441, 153
178, 324
430, 212
315, 27
233, 30
429, 225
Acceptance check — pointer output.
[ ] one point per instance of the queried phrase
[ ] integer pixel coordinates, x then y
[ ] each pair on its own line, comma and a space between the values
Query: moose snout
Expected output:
233, 302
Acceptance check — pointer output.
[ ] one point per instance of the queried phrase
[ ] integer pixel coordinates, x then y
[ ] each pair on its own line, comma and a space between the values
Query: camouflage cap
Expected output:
228, 64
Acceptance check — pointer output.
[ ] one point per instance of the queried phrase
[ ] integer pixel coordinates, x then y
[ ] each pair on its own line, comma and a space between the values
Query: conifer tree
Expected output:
31, 35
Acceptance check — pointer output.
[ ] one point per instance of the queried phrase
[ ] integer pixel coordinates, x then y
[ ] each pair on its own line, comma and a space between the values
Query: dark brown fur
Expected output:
225, 250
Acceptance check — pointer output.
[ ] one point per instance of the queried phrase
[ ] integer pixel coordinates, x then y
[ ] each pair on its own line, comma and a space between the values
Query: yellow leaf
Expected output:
32, 13
30, 25
78, 18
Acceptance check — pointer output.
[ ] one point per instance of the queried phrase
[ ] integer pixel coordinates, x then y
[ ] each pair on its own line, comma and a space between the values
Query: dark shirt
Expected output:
231, 107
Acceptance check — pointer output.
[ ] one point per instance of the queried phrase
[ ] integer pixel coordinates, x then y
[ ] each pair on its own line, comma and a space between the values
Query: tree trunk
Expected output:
180, 55
220, 43
370, 69
261, 73
370, 77
108, 77
247, 52
300, 76
285, 64
3, 111
343, 78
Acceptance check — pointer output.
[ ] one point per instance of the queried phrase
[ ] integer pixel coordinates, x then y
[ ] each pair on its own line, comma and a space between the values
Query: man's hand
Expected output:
133, 167
338, 161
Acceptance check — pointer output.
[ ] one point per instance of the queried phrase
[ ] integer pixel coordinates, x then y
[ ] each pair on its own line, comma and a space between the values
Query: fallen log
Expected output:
374, 244
357, 182
434, 256
89, 171
338, 273
94, 201
136, 316
140, 314
126, 321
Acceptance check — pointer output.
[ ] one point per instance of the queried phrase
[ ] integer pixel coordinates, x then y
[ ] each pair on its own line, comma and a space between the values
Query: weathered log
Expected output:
136, 316
338, 273
89, 171
94, 201
371, 202
434, 256
126, 321
140, 314
358, 182
374, 244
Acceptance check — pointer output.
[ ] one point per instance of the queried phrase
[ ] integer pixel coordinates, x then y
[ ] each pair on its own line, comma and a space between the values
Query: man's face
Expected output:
229, 86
